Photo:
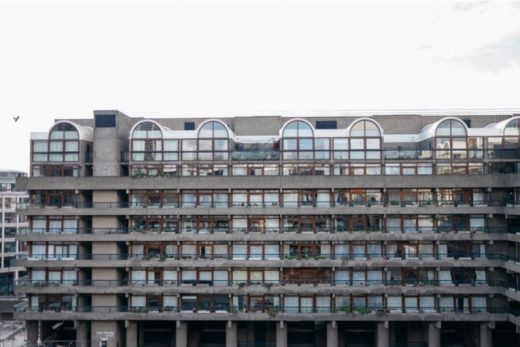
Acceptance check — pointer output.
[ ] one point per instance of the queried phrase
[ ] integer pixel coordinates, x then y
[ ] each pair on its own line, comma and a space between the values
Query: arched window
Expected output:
299, 143
451, 127
213, 129
511, 143
212, 143
451, 140
148, 144
147, 130
365, 141
512, 128
64, 143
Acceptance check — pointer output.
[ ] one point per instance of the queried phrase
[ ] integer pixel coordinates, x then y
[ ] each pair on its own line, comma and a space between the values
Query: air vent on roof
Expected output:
326, 124
189, 125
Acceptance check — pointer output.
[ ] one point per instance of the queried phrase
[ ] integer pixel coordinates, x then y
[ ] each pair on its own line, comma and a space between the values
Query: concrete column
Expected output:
485, 335
434, 334
281, 334
81, 333
383, 335
332, 334
132, 332
181, 334
231, 334
31, 326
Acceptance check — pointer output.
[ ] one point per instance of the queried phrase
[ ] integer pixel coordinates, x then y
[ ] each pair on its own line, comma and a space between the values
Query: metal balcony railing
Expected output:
296, 229
283, 204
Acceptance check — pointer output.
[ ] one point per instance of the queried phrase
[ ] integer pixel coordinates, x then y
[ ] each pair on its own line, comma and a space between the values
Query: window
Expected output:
365, 141
213, 141
298, 142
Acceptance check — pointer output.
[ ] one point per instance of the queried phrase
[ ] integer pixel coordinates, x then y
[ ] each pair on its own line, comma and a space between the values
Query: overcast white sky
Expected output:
163, 60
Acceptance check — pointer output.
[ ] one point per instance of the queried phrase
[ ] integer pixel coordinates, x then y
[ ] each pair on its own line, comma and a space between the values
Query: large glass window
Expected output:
213, 142
298, 143
365, 141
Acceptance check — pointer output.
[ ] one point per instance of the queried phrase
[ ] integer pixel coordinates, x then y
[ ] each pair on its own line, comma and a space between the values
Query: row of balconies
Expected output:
275, 311
492, 202
274, 230
225, 286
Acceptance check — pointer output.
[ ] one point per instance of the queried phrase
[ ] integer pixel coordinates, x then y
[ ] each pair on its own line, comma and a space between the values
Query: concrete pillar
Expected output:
332, 334
81, 333
383, 335
132, 332
31, 326
281, 334
231, 334
434, 334
485, 335
181, 334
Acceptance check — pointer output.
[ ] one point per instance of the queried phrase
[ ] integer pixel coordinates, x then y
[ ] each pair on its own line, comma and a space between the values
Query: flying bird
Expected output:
16, 118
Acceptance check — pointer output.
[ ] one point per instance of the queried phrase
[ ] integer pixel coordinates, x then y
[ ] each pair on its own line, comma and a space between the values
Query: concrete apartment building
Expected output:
353, 229
10, 248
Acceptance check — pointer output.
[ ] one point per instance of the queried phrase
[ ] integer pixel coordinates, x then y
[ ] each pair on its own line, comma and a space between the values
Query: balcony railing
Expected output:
27, 283
272, 310
398, 255
286, 204
227, 230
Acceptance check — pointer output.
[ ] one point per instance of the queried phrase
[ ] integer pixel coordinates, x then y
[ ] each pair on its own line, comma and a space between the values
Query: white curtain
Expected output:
477, 223
341, 251
272, 277
138, 301
445, 278
375, 277
426, 250
138, 277
272, 251
291, 303
239, 276
393, 225
188, 251
220, 278
323, 304
189, 276
443, 251
271, 199
479, 303
323, 199
239, 252
70, 226
272, 224
290, 199
325, 250
410, 304
481, 276
170, 301
446, 303
138, 250
427, 303
39, 225
342, 277
69, 277
255, 252
38, 251
358, 278
37, 275
394, 303
170, 276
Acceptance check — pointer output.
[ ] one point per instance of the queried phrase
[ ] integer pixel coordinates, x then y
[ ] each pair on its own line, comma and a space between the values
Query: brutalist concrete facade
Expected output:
348, 229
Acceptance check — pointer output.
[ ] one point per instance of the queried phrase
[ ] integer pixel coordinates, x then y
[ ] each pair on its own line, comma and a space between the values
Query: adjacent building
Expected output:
351, 229
10, 248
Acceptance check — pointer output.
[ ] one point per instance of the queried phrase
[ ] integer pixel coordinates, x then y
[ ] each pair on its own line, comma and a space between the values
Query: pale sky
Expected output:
62, 60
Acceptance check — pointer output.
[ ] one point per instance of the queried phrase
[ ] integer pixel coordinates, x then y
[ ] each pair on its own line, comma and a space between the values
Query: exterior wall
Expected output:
109, 242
